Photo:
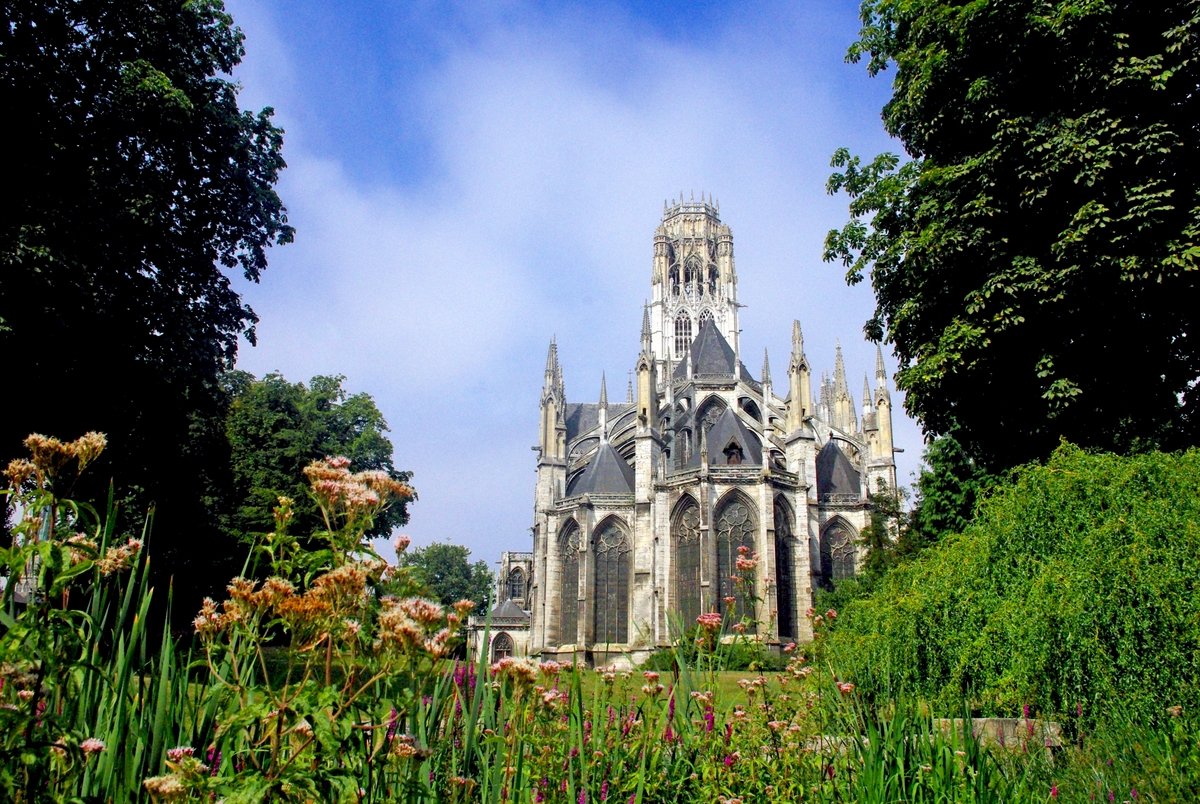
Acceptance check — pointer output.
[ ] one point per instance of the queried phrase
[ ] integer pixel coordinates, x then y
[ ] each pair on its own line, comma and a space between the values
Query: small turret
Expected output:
883, 406
552, 428
647, 381
800, 387
603, 410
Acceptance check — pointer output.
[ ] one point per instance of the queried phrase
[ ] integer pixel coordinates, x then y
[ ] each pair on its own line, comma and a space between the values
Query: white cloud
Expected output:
551, 162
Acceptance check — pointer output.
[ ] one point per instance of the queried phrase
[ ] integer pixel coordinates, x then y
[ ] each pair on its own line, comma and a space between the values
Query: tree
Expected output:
447, 571
135, 188
1035, 264
276, 428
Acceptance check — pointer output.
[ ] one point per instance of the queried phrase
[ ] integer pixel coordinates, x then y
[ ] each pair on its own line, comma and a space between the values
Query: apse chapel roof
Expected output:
836, 473
608, 473
508, 610
712, 356
727, 429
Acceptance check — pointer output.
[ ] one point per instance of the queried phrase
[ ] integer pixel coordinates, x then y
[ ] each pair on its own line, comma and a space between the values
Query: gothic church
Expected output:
641, 506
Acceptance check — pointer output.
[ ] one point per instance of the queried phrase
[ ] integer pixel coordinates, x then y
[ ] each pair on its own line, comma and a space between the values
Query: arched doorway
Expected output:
502, 646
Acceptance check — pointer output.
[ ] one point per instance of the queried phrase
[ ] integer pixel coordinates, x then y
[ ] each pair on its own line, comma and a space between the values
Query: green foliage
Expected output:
1043, 240
136, 189
1076, 589
948, 489
277, 428
446, 570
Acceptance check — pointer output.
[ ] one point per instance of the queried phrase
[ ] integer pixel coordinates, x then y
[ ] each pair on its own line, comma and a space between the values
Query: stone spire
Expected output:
603, 410
799, 383
839, 374
766, 369
866, 397
647, 343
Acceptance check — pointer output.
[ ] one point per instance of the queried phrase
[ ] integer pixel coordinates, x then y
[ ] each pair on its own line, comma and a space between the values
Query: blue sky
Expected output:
468, 180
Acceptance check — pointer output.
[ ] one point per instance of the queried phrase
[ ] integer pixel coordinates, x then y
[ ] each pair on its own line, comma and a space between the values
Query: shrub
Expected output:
1074, 591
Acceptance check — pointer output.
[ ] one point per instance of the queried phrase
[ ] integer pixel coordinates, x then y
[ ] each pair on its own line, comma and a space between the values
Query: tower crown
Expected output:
694, 280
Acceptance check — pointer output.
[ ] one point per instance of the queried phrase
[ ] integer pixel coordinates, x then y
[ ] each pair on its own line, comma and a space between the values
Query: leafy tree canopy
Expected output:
276, 428
448, 572
1035, 263
136, 187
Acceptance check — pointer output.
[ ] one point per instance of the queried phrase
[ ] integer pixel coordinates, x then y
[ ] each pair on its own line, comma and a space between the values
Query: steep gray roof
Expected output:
580, 417
836, 474
729, 428
712, 356
583, 416
606, 474
508, 610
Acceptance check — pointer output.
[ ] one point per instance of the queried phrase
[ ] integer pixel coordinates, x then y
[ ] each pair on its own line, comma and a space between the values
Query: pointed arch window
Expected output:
685, 531
683, 333
838, 554
568, 608
673, 276
785, 571
684, 450
706, 317
516, 584
735, 527
502, 646
610, 599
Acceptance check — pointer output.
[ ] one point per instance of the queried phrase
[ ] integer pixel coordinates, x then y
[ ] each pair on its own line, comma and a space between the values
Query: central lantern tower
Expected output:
693, 279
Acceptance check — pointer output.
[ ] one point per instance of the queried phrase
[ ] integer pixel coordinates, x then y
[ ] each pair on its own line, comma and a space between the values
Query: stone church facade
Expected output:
640, 507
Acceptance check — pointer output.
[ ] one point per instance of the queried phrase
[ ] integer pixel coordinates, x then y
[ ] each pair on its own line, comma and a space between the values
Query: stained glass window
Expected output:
610, 600
686, 532
516, 584
683, 333
568, 610
735, 528
837, 554
785, 580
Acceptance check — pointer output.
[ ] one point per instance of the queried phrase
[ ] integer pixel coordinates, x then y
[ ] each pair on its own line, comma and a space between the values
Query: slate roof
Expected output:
712, 356
729, 427
836, 474
608, 473
508, 610
584, 416
580, 417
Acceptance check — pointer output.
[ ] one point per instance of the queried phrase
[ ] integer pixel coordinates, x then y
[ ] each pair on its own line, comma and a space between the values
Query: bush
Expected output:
1074, 591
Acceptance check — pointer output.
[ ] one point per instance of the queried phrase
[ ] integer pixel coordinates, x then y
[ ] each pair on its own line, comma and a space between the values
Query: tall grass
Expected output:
330, 682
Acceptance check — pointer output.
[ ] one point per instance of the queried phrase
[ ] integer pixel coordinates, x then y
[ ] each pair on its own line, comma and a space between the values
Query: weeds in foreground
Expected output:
370, 708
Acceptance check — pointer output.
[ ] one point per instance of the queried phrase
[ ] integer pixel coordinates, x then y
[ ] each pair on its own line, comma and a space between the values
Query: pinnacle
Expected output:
603, 392
880, 369
766, 369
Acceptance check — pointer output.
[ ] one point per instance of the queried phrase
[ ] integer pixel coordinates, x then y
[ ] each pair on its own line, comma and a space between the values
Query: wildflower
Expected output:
604, 790
740, 628
164, 788
776, 725
788, 648
91, 746
729, 601
1175, 711
809, 612
18, 472
180, 753
710, 621
1053, 791
831, 615
746, 564
401, 543
845, 688
1025, 710
651, 676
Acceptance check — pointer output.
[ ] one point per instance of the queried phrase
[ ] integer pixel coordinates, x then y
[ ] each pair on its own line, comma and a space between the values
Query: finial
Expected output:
797, 337
766, 369
839, 373
880, 369
629, 390
866, 394
645, 321
603, 392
